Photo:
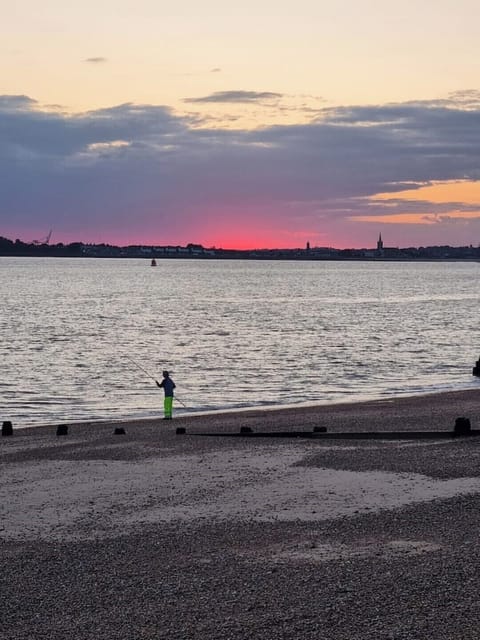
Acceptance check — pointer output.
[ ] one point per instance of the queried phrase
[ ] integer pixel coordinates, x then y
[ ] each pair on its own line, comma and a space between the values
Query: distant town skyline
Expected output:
241, 127
376, 249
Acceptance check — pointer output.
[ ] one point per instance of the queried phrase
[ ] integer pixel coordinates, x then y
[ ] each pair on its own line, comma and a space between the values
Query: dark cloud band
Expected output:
104, 164
236, 97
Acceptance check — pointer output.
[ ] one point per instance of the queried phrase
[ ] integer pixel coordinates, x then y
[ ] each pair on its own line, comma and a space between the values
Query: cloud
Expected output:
16, 103
96, 60
453, 217
236, 97
144, 172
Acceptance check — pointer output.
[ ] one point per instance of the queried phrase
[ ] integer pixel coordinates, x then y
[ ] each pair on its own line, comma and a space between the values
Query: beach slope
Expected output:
151, 534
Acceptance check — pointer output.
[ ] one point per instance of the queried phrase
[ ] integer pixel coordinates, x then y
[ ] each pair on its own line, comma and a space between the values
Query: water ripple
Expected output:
235, 334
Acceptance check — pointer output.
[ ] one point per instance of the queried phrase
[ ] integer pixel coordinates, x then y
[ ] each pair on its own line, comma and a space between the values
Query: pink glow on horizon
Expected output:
222, 239
244, 236
240, 241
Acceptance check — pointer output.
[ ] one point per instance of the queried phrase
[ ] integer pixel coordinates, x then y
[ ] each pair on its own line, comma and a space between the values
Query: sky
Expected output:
267, 124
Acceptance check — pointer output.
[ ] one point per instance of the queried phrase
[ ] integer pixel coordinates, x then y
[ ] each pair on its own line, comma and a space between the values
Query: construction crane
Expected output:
45, 240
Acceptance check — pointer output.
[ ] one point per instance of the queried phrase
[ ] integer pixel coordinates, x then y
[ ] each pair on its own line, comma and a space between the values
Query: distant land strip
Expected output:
85, 250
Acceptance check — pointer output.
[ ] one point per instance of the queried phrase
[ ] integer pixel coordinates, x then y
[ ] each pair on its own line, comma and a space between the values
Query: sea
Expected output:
85, 339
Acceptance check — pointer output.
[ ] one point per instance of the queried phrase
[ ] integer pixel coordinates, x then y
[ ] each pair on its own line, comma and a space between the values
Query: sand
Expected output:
157, 535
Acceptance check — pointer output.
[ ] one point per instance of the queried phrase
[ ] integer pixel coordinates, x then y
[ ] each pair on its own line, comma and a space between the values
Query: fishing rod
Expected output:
140, 367
182, 403
137, 364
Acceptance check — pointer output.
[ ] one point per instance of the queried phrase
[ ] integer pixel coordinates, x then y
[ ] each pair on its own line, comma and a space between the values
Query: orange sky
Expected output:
448, 193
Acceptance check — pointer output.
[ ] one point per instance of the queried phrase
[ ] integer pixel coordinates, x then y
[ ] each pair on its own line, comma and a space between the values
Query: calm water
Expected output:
234, 334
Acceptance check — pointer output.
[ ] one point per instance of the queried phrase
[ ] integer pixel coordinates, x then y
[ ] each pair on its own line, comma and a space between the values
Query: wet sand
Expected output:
156, 535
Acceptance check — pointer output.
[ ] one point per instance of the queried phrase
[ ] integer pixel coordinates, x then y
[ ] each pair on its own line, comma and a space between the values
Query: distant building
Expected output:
380, 243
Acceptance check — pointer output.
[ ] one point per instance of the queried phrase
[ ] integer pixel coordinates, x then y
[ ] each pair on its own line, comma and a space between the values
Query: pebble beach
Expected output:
153, 534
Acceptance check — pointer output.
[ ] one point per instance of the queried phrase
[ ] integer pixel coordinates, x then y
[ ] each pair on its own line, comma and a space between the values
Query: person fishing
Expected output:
168, 385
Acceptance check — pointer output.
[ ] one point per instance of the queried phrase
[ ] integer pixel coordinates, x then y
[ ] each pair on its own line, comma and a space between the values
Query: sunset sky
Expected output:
258, 124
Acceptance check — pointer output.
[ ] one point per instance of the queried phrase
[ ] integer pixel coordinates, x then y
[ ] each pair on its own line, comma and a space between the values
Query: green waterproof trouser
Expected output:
168, 406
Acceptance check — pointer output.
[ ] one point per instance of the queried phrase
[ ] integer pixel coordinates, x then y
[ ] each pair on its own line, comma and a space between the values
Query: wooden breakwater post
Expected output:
7, 428
62, 430
462, 427
476, 369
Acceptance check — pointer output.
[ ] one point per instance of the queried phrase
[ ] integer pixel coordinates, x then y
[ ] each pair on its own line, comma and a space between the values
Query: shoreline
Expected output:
281, 412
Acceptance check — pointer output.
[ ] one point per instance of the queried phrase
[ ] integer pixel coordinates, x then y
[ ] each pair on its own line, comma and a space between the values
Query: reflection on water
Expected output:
234, 333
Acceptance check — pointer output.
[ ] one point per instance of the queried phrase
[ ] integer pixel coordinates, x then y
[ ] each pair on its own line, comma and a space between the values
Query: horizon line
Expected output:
214, 248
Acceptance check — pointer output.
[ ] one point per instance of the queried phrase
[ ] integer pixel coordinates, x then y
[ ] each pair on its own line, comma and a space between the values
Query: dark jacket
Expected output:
168, 386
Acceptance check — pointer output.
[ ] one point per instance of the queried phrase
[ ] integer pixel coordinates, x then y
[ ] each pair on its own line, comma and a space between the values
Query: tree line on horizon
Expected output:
80, 249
